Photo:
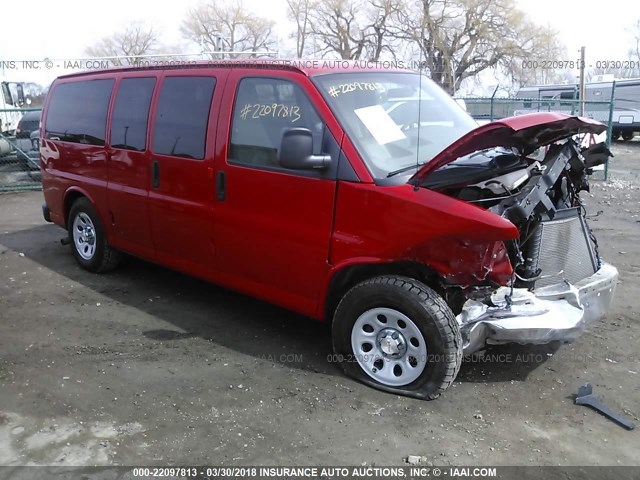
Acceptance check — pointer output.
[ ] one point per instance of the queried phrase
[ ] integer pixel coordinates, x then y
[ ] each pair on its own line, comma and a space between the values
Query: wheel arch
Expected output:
70, 197
346, 276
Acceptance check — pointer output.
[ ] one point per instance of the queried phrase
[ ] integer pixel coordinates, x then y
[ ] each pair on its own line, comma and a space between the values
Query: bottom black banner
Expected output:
317, 472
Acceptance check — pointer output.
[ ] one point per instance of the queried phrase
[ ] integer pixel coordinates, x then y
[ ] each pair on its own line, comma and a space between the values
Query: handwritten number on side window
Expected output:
273, 110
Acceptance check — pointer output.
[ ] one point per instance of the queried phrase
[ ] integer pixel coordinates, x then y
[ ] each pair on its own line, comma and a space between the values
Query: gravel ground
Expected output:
148, 366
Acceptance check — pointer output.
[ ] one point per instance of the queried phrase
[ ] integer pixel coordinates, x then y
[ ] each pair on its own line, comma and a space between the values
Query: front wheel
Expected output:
88, 242
398, 335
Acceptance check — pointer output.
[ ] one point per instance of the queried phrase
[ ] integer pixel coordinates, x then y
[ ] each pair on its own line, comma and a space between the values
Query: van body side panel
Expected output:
53, 185
74, 166
129, 164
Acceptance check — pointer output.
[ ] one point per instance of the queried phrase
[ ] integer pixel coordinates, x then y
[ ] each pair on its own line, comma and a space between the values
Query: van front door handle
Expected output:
155, 174
221, 186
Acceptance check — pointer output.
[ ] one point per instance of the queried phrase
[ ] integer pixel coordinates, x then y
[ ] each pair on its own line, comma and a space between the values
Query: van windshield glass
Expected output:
396, 120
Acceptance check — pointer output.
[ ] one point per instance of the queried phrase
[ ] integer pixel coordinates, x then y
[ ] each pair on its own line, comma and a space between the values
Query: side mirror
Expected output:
296, 151
6, 93
20, 94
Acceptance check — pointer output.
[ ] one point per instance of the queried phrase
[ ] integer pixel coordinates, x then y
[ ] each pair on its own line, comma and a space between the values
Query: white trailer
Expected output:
12, 99
562, 98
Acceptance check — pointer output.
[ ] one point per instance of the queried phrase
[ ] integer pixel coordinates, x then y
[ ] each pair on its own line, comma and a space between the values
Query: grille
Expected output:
566, 246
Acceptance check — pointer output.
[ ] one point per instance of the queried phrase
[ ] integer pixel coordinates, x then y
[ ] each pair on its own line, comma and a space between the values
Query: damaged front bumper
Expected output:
555, 312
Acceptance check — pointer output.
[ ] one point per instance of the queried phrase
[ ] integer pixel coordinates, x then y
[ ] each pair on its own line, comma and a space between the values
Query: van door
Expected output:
129, 165
272, 225
181, 183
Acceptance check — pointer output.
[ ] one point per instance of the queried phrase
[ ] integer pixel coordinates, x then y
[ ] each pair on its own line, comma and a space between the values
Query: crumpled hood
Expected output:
525, 132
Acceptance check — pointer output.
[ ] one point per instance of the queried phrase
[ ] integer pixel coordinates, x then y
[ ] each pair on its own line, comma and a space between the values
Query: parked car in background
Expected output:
35, 140
29, 122
28, 151
33, 155
366, 198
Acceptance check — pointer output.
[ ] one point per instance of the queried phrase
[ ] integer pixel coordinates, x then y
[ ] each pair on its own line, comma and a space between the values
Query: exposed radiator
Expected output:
565, 246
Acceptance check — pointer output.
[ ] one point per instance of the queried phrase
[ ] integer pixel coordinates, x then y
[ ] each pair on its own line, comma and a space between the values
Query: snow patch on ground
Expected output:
60, 441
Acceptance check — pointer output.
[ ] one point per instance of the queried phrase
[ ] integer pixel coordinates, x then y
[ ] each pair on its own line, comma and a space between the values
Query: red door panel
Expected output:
273, 231
272, 226
128, 203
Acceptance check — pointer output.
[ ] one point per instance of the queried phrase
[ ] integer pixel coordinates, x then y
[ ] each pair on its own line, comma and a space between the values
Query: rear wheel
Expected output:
398, 335
627, 136
88, 242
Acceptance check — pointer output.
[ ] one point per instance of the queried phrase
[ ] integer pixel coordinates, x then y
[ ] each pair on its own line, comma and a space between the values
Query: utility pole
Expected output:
582, 89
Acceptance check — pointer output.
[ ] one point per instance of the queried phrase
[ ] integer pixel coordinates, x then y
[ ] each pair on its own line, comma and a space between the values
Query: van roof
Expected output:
307, 67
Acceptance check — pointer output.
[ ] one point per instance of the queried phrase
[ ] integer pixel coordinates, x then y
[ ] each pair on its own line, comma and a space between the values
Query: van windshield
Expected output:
396, 120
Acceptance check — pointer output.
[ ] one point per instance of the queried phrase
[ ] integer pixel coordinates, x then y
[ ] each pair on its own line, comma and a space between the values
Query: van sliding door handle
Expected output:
155, 174
221, 186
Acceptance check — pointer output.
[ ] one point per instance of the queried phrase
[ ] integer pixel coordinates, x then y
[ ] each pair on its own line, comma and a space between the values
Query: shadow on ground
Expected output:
195, 308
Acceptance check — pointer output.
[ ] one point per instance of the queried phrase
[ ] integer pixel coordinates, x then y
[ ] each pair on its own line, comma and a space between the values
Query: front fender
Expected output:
390, 224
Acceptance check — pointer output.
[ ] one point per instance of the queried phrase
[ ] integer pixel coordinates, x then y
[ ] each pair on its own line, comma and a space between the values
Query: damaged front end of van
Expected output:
530, 171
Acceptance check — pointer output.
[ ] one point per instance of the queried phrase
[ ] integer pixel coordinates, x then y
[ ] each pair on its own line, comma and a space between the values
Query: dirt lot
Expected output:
148, 366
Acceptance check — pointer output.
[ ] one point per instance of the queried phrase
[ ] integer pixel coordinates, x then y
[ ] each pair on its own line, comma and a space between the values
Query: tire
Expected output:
615, 135
628, 136
88, 242
424, 356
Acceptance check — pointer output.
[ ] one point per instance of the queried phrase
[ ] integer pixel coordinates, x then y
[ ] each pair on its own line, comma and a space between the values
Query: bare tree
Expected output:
634, 53
458, 39
337, 26
621, 69
300, 12
228, 27
543, 62
356, 29
131, 43
383, 22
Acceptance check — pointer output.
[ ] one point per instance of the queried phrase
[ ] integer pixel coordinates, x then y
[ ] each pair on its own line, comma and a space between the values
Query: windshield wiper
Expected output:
405, 169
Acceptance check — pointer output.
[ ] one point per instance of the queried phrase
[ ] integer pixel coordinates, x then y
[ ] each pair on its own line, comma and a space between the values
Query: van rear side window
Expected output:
78, 112
131, 114
182, 116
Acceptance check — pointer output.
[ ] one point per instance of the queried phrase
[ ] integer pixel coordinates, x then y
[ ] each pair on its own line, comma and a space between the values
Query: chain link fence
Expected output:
492, 108
489, 109
19, 150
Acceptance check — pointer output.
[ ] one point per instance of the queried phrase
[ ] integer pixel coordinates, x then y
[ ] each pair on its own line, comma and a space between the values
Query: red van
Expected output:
360, 196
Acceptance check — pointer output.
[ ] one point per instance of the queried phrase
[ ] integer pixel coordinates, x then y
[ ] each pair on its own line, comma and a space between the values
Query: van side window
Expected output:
131, 114
182, 116
78, 111
264, 108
